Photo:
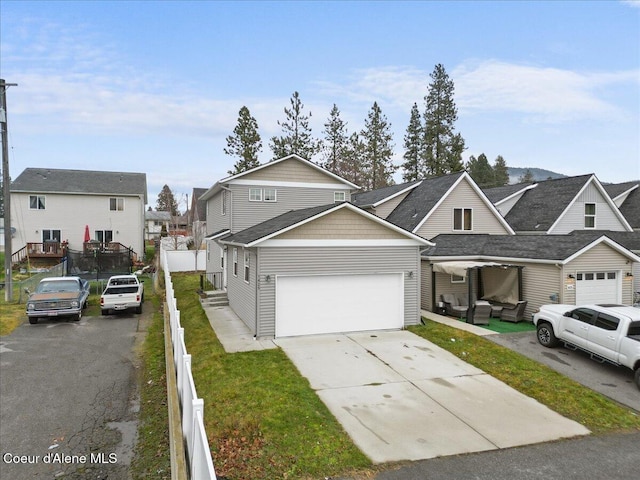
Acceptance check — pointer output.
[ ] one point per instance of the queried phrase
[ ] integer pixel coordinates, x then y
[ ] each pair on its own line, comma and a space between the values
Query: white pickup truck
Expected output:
123, 292
608, 332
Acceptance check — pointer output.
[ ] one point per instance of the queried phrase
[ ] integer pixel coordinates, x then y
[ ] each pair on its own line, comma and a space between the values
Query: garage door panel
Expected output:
597, 288
338, 303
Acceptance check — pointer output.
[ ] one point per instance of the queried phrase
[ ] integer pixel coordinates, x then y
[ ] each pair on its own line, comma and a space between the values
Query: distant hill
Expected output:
538, 174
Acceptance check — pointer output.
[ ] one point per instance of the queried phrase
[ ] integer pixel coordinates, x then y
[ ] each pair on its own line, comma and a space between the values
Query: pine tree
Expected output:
354, 160
480, 170
378, 139
166, 202
296, 137
500, 172
526, 177
411, 167
245, 143
442, 147
335, 142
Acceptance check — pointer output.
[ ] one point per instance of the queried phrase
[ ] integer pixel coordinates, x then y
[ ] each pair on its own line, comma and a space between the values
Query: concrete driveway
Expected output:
401, 397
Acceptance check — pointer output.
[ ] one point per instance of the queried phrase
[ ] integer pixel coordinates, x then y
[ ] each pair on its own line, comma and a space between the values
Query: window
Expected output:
222, 251
589, 215
116, 204
462, 219
269, 194
339, 197
224, 203
255, 194
246, 266
607, 322
36, 202
583, 314
457, 279
50, 235
104, 236
235, 262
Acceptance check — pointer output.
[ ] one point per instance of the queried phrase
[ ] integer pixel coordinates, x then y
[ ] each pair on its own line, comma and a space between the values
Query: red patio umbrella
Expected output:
87, 235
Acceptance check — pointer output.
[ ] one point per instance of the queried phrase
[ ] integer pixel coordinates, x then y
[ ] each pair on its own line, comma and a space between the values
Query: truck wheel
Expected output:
33, 320
545, 335
105, 311
637, 377
139, 309
76, 318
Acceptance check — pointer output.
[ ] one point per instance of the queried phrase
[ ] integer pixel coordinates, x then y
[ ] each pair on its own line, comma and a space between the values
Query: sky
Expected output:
156, 86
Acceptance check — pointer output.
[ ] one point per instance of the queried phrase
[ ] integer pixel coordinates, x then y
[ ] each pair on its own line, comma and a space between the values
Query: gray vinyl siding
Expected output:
443, 286
213, 257
463, 196
601, 258
573, 219
215, 220
385, 209
242, 295
246, 213
331, 261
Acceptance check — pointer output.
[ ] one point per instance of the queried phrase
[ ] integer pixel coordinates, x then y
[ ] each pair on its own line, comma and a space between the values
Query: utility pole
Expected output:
6, 187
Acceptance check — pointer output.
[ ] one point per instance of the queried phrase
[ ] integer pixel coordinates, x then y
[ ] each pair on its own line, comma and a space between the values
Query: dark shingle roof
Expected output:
366, 199
496, 194
52, 180
539, 247
421, 200
276, 224
615, 189
630, 209
540, 207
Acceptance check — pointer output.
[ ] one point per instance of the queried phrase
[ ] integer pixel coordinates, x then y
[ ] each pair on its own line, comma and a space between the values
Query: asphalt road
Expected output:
69, 398
610, 380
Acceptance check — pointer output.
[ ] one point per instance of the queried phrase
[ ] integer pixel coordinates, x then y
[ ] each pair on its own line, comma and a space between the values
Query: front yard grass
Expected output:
559, 393
262, 417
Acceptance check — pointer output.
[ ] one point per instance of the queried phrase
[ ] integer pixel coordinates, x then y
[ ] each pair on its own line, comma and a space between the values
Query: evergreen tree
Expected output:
442, 147
377, 138
500, 172
411, 167
526, 177
166, 202
354, 160
480, 170
335, 142
296, 133
245, 143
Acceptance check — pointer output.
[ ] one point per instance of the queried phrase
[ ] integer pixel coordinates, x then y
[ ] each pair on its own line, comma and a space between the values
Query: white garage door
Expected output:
597, 287
338, 303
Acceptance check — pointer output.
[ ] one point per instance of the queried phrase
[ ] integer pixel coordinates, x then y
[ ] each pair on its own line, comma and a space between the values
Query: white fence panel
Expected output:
193, 432
186, 260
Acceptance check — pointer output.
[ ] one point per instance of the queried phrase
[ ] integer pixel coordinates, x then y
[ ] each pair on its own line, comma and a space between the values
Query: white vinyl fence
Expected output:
192, 407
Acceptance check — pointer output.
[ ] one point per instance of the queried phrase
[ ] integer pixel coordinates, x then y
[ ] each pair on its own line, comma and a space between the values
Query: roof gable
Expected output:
52, 180
296, 219
378, 196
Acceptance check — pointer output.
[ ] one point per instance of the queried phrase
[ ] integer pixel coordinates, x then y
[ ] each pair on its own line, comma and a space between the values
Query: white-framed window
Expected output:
104, 236
37, 202
247, 259
269, 194
222, 258
224, 203
589, 215
51, 235
255, 194
457, 279
462, 219
235, 262
339, 197
116, 204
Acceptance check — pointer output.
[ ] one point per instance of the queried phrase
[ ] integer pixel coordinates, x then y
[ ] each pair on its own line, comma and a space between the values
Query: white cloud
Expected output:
543, 94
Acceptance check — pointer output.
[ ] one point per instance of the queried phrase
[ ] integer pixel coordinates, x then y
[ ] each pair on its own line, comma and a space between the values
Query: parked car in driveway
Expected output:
123, 292
58, 297
608, 332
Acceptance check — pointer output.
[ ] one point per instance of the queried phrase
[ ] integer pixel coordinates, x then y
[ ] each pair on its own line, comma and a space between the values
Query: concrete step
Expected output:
214, 298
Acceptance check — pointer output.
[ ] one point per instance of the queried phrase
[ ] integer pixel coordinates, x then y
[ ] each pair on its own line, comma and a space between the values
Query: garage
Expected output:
316, 304
597, 287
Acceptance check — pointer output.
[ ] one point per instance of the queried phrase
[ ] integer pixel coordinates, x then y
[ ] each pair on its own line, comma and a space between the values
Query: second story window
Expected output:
339, 197
255, 194
224, 203
462, 219
589, 215
269, 194
116, 204
36, 202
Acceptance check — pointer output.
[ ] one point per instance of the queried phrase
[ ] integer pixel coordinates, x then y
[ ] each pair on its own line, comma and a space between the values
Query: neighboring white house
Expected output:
154, 221
52, 206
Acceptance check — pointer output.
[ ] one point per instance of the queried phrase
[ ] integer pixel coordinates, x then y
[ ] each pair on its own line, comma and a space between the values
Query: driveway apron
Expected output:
400, 397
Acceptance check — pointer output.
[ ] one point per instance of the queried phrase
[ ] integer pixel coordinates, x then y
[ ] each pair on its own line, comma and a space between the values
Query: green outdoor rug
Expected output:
496, 325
